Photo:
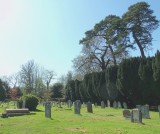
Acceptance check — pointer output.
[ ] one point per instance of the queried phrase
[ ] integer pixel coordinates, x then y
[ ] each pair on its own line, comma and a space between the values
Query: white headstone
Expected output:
108, 103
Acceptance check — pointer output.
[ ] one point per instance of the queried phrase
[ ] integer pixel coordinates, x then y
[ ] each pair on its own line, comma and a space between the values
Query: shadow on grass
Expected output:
37, 110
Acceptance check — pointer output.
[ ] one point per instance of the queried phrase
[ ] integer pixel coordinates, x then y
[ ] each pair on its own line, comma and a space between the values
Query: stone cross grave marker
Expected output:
136, 116
125, 105
89, 107
77, 106
48, 110
126, 114
108, 103
102, 104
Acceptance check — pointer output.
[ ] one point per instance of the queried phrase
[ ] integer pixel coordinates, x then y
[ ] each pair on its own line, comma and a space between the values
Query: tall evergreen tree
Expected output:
140, 23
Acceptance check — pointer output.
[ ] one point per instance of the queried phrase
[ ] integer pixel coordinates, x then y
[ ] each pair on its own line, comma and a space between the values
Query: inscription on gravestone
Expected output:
48, 110
77, 106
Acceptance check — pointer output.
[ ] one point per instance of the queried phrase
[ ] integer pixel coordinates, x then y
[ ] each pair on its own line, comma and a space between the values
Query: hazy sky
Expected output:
48, 31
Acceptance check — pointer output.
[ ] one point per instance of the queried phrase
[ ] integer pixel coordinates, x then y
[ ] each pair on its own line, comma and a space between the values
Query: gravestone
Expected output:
126, 114
96, 104
84, 104
114, 104
125, 105
77, 106
102, 104
89, 107
24, 104
69, 103
145, 110
119, 104
159, 110
48, 110
108, 103
53, 104
136, 116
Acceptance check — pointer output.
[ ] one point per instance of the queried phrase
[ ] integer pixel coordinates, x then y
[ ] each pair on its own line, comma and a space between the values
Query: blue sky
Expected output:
48, 31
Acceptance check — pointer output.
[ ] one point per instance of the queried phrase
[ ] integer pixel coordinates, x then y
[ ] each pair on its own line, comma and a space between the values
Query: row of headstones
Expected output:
136, 115
77, 107
14, 103
115, 104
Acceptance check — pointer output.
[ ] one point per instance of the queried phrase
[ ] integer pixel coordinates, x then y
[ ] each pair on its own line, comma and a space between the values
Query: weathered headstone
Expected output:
119, 104
96, 104
89, 107
126, 114
136, 116
159, 110
69, 103
48, 110
77, 106
114, 104
108, 103
102, 104
24, 104
125, 105
145, 110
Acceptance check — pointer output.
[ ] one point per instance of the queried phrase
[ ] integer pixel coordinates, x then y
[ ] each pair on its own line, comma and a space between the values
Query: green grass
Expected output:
64, 121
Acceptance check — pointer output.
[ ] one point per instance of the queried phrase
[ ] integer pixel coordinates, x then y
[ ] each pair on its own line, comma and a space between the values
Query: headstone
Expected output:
114, 104
77, 106
96, 104
89, 107
119, 104
125, 105
24, 104
53, 104
145, 110
126, 114
69, 103
102, 104
136, 116
108, 103
84, 104
159, 110
138, 106
48, 110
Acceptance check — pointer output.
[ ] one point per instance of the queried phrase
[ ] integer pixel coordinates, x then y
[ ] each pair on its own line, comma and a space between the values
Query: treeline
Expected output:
135, 80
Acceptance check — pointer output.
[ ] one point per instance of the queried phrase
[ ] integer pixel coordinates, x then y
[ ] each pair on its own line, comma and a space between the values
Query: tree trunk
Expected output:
113, 56
139, 45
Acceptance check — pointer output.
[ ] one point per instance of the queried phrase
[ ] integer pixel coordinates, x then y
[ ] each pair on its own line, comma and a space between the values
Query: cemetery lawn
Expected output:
64, 121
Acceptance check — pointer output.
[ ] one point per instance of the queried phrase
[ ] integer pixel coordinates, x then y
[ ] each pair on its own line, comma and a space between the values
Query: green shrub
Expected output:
31, 102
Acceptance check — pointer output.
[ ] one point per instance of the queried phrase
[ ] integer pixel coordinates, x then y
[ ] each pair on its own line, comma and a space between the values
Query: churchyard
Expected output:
66, 120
